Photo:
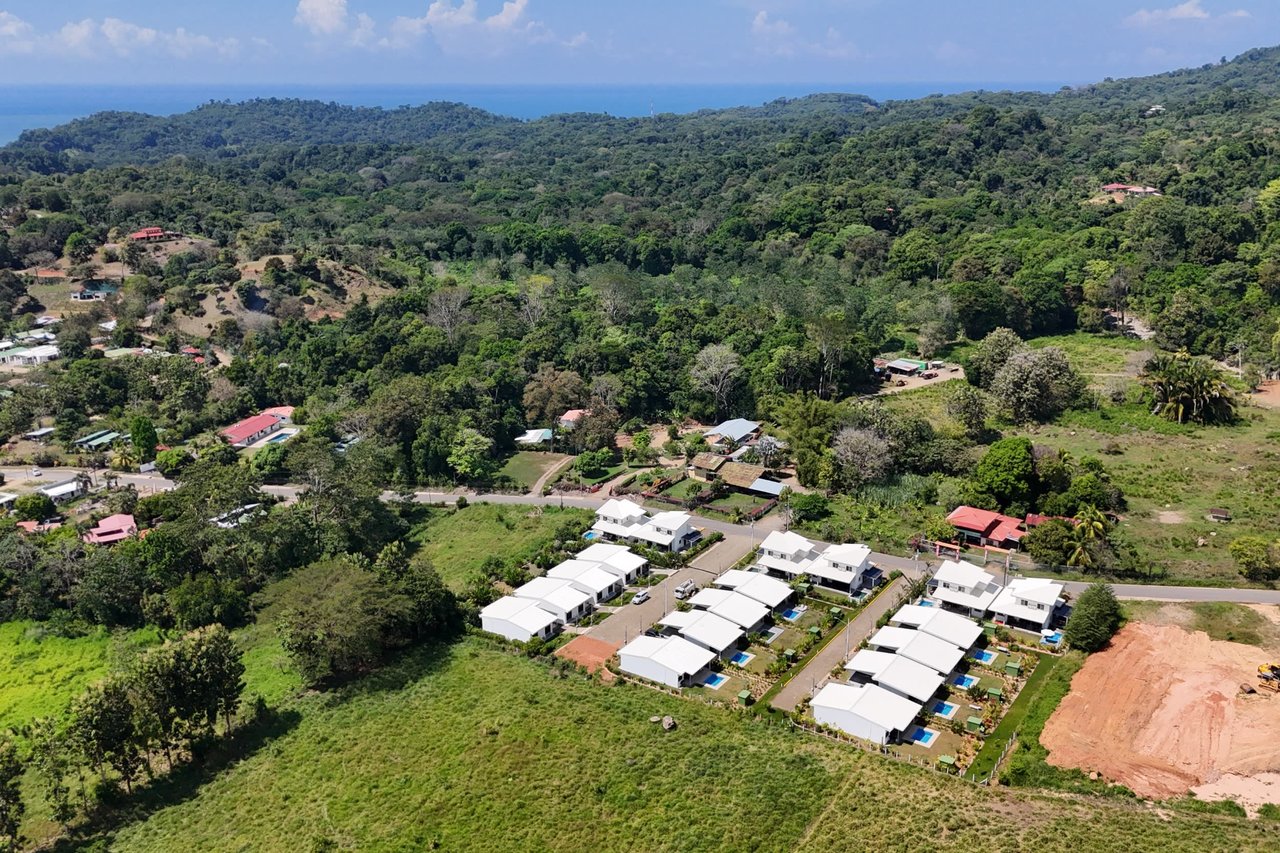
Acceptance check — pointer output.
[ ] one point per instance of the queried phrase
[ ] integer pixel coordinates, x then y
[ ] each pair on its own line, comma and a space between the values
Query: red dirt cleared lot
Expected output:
1161, 712
590, 653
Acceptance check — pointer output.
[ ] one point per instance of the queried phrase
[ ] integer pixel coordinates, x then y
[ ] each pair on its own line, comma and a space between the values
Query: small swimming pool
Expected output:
921, 736
772, 634
742, 658
964, 682
984, 656
791, 614
714, 680
1052, 639
279, 437
591, 535
924, 602
946, 710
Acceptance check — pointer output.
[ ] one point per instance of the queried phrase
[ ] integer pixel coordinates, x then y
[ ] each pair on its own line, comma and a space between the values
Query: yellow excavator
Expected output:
1269, 676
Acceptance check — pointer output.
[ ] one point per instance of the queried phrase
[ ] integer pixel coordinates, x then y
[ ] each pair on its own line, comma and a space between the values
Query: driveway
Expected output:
816, 672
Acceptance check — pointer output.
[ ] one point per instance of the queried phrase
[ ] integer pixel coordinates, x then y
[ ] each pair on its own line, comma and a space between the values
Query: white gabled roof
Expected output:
910, 678
961, 574
849, 555
944, 625
734, 430
786, 542
870, 662
927, 649
615, 558
584, 574
770, 592
57, 490
616, 508
561, 594
873, 703
673, 653
737, 608
1038, 590
704, 628
670, 520
524, 613
891, 638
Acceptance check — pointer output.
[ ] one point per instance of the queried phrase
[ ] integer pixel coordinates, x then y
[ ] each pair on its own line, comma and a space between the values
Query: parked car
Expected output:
36, 472
685, 590
640, 597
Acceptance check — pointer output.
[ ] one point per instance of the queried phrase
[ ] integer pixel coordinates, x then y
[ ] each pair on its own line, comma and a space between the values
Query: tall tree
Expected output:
716, 370
142, 433
12, 806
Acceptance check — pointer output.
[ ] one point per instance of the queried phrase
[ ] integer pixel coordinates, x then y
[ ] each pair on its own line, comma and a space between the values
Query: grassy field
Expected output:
458, 542
41, 673
526, 466
1221, 620
986, 759
472, 748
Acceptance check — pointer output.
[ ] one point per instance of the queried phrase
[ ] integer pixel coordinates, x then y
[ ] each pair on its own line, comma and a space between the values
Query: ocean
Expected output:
26, 107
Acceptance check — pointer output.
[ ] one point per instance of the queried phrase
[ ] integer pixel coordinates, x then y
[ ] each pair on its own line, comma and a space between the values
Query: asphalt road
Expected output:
1149, 592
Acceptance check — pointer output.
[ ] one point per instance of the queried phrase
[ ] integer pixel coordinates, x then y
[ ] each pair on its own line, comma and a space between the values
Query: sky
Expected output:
643, 42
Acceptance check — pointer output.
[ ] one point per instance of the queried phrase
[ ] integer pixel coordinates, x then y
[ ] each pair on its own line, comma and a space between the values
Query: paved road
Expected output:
20, 479
834, 653
1149, 592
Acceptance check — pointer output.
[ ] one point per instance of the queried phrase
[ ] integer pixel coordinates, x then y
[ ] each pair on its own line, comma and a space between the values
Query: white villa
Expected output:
731, 433
964, 588
926, 649
560, 598
673, 661
617, 559
1027, 603
893, 672
706, 629
629, 522
867, 711
839, 567
588, 577
770, 592
63, 491
951, 627
518, 619
745, 612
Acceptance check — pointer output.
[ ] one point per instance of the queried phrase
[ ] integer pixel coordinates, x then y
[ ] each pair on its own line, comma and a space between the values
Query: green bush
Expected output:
1094, 619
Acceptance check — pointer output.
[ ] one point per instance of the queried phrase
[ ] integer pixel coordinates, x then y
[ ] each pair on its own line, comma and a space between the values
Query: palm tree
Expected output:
1091, 523
1188, 389
1081, 556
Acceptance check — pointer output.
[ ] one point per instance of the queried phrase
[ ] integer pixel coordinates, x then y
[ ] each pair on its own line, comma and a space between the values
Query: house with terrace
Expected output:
984, 527
1028, 603
747, 613
782, 551
673, 661
560, 598
629, 522
616, 559
963, 588
732, 433
950, 627
868, 711
770, 592
589, 578
939, 655
903, 676
845, 568
706, 629
519, 619
112, 529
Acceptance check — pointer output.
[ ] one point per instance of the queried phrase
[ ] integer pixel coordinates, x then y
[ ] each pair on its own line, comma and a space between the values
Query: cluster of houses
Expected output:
253, 429
681, 647
567, 593
990, 529
1030, 604
905, 665
1130, 190
625, 521
29, 349
843, 568
730, 442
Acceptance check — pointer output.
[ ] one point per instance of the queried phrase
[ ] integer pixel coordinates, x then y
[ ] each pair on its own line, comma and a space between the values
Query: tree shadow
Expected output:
98, 830
401, 669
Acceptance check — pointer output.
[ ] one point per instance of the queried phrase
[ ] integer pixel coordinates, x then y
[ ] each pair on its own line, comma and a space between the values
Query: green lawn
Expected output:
1219, 619
458, 542
985, 761
41, 673
473, 748
526, 466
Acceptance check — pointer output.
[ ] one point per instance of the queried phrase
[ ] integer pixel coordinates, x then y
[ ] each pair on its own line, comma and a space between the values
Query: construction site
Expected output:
1167, 712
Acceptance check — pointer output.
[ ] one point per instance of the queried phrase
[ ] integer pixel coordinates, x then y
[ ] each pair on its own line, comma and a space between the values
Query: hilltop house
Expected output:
112, 529
984, 527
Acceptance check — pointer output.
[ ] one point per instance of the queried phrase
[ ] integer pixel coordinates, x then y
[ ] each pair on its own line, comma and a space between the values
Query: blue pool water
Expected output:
1053, 639
984, 656
714, 680
279, 437
792, 614
964, 682
944, 709
742, 658
924, 602
924, 737
591, 535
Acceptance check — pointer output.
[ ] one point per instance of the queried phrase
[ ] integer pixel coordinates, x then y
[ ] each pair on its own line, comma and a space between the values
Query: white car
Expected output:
640, 597
36, 472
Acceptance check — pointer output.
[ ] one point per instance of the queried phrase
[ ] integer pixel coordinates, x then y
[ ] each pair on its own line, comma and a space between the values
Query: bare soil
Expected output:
1171, 517
590, 653
1267, 395
1161, 712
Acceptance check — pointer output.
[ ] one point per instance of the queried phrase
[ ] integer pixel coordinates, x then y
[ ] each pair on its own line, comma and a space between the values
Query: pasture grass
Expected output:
459, 541
527, 466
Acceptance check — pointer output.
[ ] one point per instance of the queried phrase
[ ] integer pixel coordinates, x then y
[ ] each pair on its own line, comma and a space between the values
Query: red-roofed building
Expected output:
190, 350
112, 529
249, 430
1035, 519
984, 527
148, 235
50, 273
282, 412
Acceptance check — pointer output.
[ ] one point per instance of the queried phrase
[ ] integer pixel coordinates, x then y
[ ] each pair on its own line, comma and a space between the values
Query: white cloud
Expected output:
1191, 10
322, 17
15, 34
77, 35
762, 26
778, 37
460, 28
950, 51
88, 37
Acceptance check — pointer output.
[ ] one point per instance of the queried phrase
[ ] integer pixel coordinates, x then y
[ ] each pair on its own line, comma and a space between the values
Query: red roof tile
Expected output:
238, 432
